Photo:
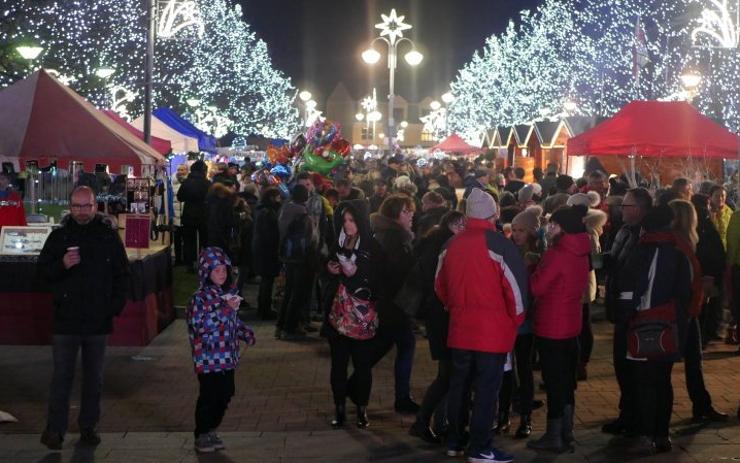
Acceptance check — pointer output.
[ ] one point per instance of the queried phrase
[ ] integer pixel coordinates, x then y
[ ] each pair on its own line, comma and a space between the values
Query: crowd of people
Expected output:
500, 279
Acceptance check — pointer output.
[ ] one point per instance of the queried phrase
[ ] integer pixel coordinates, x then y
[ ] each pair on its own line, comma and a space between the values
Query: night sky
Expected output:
318, 42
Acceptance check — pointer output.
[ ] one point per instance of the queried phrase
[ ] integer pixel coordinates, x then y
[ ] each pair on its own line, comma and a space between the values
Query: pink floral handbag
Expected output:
353, 317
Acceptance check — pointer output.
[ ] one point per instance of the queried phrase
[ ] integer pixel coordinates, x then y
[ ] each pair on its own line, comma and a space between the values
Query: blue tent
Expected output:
171, 118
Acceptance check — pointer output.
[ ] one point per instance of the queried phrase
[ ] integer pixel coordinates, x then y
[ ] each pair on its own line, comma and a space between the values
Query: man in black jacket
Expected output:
635, 206
192, 193
87, 268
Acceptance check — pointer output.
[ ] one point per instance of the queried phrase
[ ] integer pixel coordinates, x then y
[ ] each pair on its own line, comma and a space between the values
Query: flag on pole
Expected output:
640, 56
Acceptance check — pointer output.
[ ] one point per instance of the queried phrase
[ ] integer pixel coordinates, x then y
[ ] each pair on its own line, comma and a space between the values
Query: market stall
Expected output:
206, 142
454, 144
661, 140
44, 123
180, 143
161, 145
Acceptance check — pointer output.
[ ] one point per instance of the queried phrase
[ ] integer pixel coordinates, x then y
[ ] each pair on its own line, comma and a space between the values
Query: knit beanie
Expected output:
579, 199
198, 166
570, 218
525, 194
480, 205
529, 219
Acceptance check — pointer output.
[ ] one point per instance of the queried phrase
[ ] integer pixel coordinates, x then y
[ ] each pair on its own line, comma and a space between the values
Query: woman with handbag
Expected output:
658, 286
352, 321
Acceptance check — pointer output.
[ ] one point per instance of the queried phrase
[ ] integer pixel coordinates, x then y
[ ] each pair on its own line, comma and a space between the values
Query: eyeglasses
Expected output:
82, 207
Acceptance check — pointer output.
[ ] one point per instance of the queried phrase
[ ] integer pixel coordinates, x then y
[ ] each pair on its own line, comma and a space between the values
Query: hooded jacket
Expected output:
88, 295
213, 326
558, 285
221, 223
482, 281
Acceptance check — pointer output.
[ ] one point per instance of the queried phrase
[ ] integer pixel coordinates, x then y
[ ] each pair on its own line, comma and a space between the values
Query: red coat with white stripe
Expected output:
482, 281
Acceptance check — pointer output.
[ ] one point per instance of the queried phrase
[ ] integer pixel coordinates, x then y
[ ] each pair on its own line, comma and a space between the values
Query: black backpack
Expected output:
294, 246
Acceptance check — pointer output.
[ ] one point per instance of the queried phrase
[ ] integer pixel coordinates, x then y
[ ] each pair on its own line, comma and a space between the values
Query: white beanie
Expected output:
579, 199
480, 205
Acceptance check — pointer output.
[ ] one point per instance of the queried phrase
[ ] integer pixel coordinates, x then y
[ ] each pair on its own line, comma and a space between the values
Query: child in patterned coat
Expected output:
214, 330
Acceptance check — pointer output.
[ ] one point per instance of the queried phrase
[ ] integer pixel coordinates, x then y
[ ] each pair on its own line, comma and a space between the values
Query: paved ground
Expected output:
283, 404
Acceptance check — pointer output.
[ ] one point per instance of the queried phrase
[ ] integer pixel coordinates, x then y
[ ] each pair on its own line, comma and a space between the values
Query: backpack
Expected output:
294, 245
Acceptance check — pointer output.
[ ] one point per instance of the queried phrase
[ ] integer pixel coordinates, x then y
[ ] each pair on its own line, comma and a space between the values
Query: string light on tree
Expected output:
177, 15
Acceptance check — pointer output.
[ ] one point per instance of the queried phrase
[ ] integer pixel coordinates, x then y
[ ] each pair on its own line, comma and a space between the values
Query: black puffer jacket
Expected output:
614, 261
221, 219
193, 193
710, 251
266, 240
398, 260
88, 295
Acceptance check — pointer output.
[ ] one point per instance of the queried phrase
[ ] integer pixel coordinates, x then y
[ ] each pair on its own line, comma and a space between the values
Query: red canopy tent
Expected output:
161, 145
41, 119
455, 144
657, 129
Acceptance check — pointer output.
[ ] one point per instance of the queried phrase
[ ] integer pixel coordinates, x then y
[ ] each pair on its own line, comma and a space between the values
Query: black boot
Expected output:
422, 430
362, 421
503, 425
568, 436
340, 418
552, 440
525, 427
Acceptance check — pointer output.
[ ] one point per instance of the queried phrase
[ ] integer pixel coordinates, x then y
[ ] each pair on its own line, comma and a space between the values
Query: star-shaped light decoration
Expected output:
392, 26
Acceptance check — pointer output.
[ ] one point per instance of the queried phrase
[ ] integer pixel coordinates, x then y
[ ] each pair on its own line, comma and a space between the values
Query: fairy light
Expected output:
227, 65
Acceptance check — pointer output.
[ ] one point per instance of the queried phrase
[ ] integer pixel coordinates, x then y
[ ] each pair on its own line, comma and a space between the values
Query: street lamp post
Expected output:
29, 53
392, 27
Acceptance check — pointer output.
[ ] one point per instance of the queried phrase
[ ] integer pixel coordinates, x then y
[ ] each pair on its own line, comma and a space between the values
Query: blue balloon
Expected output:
281, 171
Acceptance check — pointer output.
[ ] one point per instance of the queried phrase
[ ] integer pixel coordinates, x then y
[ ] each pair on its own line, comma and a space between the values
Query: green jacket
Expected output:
733, 239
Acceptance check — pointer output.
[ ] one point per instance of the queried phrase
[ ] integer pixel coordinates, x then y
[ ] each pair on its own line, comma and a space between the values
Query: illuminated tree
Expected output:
221, 63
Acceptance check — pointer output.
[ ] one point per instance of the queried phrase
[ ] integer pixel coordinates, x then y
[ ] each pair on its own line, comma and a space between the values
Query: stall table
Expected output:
26, 303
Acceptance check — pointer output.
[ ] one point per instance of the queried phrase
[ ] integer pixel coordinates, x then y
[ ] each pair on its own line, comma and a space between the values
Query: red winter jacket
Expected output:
558, 285
11, 210
482, 281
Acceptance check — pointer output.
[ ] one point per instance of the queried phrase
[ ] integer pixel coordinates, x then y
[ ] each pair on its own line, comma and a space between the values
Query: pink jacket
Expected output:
558, 285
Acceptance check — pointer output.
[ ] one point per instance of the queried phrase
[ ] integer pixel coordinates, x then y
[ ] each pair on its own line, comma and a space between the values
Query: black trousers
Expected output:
558, 359
655, 400
624, 371
64, 350
216, 390
736, 293
586, 338
700, 398
177, 244
298, 283
264, 297
711, 316
361, 352
437, 391
194, 237
523, 349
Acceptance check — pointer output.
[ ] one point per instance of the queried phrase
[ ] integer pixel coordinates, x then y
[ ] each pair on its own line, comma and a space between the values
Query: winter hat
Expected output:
537, 190
579, 199
570, 218
198, 166
526, 193
595, 198
529, 219
480, 205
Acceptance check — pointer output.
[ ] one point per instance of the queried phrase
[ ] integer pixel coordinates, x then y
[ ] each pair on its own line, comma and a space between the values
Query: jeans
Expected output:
264, 298
298, 281
624, 371
437, 391
402, 336
558, 358
655, 400
216, 390
64, 350
484, 371
361, 353
700, 398
586, 338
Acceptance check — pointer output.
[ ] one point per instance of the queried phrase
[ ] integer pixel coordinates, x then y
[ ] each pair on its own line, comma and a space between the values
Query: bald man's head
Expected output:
82, 205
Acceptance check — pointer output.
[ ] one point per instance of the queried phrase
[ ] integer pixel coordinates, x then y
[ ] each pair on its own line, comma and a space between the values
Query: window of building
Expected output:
427, 136
367, 133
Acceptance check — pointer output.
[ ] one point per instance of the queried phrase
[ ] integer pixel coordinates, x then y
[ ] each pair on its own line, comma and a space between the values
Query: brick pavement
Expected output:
283, 404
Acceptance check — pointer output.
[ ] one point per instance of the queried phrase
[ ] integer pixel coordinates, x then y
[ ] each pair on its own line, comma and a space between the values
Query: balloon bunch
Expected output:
324, 149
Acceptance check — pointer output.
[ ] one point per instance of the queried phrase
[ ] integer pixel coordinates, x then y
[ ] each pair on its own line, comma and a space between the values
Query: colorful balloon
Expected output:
297, 144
